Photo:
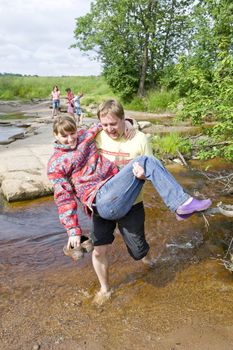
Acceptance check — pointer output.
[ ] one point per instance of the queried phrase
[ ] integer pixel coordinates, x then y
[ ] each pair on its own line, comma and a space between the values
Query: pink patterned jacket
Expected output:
78, 174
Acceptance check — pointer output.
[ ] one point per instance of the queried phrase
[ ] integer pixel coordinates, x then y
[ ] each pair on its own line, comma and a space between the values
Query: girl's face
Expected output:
67, 138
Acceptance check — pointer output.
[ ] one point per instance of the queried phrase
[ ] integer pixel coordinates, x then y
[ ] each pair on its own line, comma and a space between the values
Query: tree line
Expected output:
180, 45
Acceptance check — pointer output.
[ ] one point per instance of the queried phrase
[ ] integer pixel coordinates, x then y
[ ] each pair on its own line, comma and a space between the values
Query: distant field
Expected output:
95, 89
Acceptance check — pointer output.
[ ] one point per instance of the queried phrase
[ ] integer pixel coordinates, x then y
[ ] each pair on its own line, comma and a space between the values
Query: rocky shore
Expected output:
23, 162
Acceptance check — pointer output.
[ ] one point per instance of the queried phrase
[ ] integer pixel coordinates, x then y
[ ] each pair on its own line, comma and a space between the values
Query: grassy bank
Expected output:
95, 90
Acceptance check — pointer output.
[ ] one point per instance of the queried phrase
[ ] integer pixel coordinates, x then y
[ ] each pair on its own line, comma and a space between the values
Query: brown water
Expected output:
184, 303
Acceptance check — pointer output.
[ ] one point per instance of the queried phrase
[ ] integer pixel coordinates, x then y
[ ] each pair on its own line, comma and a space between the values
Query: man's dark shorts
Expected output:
131, 227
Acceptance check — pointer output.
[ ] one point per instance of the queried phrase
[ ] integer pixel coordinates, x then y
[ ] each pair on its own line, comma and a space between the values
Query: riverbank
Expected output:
184, 303
23, 165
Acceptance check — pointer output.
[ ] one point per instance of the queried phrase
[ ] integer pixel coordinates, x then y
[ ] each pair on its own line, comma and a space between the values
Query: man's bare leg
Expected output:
100, 264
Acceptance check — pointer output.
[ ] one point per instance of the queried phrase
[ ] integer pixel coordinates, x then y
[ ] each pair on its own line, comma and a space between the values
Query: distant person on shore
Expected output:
55, 94
78, 171
78, 109
70, 102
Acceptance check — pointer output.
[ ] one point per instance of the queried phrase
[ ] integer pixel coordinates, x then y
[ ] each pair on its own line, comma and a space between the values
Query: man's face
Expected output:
112, 125
67, 138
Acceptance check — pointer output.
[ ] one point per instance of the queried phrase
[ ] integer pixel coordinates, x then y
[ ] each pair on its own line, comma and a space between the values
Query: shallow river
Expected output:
46, 299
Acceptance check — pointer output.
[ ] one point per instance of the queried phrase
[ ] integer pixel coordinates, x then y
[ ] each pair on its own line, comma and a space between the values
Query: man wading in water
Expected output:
78, 170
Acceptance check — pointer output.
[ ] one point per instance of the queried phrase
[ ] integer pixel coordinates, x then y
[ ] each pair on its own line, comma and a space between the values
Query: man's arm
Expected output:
146, 150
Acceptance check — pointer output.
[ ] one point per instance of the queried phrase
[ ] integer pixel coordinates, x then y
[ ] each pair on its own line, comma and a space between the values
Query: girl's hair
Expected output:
110, 107
55, 86
64, 124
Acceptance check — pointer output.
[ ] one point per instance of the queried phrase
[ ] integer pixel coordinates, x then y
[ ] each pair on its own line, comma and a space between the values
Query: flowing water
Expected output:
46, 299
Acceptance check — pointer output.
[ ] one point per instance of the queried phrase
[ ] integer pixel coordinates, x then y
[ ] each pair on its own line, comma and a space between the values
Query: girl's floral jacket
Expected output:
78, 174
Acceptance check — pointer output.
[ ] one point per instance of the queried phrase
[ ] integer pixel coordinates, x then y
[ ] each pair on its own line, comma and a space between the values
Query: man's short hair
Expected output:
111, 107
64, 124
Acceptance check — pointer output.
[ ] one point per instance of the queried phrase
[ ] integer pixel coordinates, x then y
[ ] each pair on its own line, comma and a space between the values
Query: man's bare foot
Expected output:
148, 262
101, 297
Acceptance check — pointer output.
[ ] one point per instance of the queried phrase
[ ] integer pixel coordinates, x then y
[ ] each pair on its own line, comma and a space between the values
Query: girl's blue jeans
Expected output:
116, 197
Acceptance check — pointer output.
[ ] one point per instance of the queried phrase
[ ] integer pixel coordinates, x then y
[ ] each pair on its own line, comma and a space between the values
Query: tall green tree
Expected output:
205, 75
134, 40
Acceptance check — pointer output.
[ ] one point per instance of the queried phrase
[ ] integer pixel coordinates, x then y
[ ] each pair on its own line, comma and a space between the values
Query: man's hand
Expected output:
138, 171
130, 131
74, 242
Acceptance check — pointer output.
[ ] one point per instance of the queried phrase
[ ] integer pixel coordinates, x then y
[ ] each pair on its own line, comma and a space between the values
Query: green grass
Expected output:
156, 101
95, 89
170, 144
137, 104
160, 100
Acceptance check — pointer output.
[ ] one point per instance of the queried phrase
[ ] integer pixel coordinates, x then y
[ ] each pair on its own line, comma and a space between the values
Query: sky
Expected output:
35, 37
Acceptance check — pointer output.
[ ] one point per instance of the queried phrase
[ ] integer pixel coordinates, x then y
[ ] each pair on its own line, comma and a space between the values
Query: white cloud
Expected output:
36, 36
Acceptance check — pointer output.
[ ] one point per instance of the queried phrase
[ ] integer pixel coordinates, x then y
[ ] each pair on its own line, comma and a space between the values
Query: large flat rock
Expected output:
25, 185
23, 166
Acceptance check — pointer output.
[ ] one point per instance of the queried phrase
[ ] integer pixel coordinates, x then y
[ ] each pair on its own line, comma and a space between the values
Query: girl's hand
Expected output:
74, 242
130, 131
138, 171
